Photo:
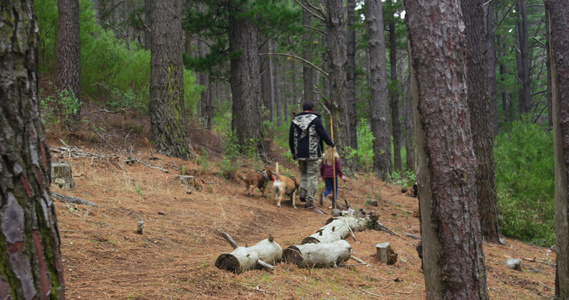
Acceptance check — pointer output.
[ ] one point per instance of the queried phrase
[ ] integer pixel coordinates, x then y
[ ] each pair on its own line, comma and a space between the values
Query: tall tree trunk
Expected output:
69, 56
166, 105
307, 70
207, 104
394, 94
351, 78
245, 81
148, 22
409, 125
30, 243
453, 258
337, 56
480, 118
523, 58
558, 39
276, 84
491, 50
379, 100
266, 78
125, 23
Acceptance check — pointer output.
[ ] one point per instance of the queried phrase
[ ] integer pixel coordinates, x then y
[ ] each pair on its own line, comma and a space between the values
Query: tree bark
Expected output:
266, 82
276, 84
351, 78
480, 118
307, 70
337, 76
148, 21
558, 39
31, 257
379, 100
523, 58
166, 105
245, 80
491, 50
394, 94
69, 55
452, 243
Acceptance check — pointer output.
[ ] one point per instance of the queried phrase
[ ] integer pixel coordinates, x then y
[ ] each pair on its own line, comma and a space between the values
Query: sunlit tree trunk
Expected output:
30, 243
379, 100
558, 39
166, 105
453, 260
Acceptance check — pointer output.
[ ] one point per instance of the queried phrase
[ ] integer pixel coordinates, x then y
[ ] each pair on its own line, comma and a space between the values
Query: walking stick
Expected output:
335, 192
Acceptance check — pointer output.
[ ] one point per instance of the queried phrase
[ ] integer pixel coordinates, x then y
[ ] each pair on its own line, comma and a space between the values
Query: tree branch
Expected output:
299, 58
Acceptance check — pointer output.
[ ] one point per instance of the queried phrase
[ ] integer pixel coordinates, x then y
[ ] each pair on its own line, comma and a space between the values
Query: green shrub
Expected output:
526, 183
364, 154
108, 69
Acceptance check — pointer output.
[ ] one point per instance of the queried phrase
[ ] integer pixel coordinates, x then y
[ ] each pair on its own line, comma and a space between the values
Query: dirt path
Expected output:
104, 257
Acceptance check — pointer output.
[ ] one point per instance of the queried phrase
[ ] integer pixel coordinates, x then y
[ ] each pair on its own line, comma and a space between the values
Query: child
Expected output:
329, 174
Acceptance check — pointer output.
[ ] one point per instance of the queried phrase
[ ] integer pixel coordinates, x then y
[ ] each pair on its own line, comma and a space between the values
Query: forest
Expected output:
460, 98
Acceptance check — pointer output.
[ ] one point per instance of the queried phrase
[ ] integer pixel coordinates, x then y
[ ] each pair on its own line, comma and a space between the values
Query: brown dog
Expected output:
284, 186
255, 180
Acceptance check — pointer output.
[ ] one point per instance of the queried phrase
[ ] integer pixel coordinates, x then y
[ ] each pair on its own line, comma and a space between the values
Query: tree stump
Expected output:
318, 255
385, 254
242, 259
62, 176
338, 229
187, 181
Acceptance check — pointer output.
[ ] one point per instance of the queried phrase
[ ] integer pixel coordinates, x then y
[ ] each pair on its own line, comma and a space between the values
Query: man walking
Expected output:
305, 141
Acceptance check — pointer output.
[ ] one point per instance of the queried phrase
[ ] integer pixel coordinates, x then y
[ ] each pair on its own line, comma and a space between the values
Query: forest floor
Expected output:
105, 258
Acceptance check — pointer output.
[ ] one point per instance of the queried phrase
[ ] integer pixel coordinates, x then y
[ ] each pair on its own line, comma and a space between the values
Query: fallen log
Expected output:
338, 229
263, 254
318, 255
71, 199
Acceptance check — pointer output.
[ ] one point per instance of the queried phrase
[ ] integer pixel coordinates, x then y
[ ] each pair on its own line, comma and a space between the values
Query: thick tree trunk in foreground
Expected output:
558, 38
452, 243
480, 118
166, 106
379, 101
31, 259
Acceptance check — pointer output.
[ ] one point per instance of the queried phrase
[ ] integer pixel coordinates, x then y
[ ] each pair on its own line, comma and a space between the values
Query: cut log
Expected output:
263, 254
62, 175
385, 254
318, 255
338, 229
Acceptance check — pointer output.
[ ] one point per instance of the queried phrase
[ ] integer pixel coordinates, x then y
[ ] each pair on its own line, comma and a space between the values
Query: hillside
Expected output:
104, 257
